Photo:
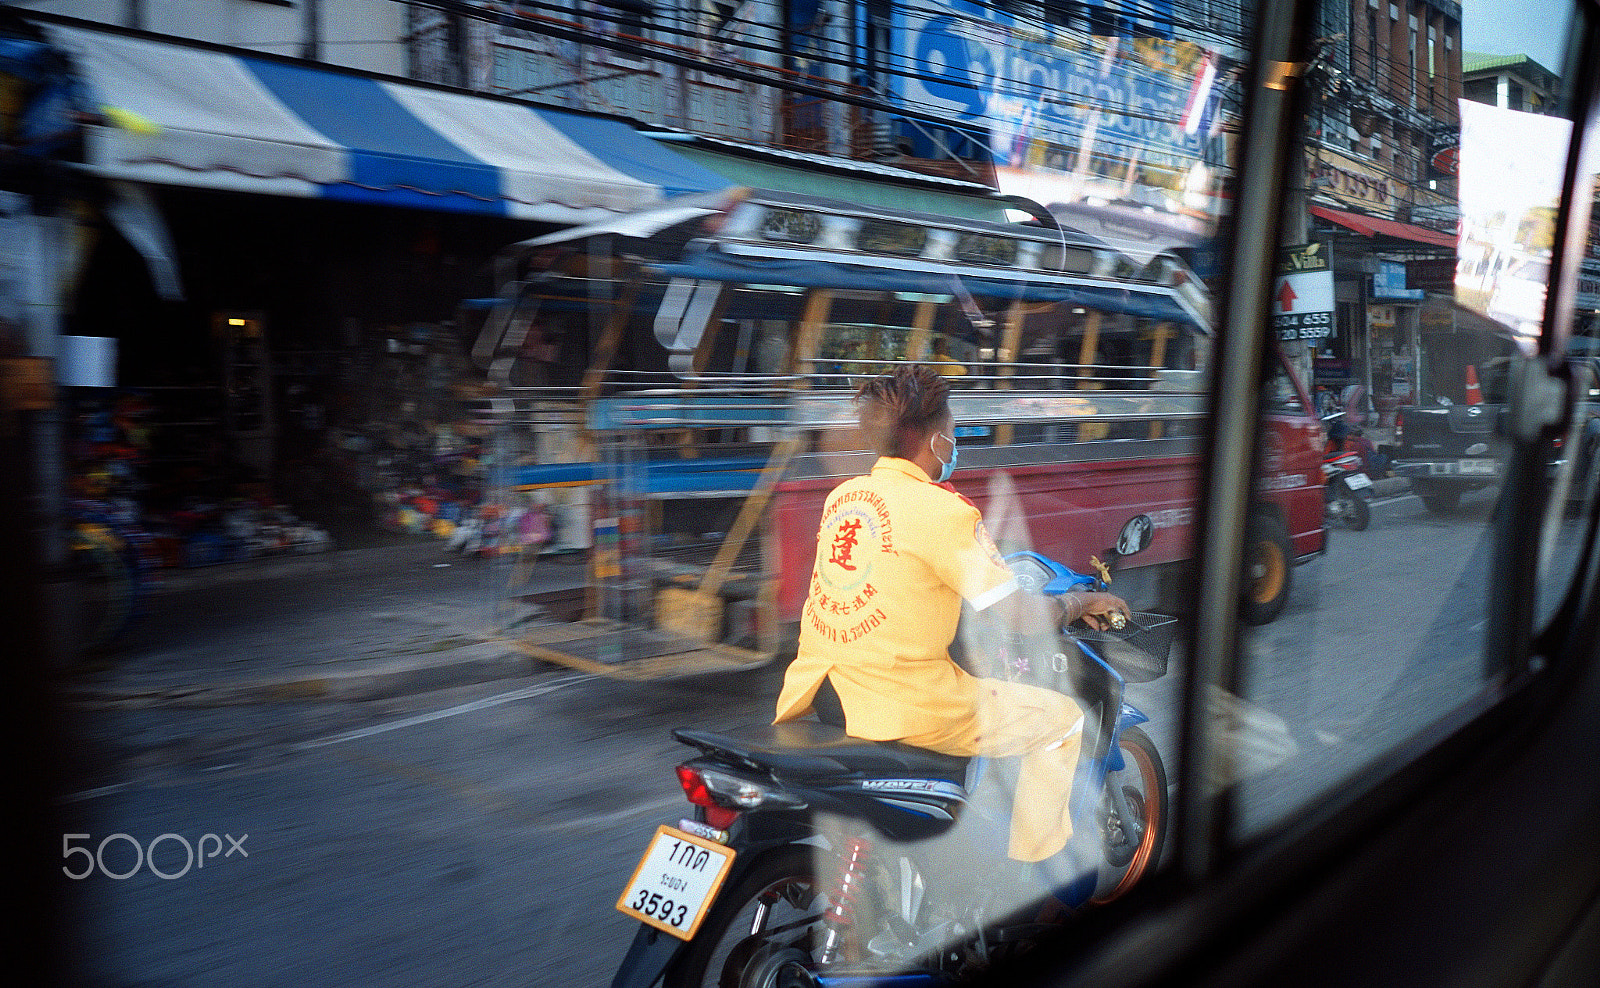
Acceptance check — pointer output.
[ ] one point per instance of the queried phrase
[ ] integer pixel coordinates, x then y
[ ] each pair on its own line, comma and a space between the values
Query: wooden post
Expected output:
605, 349
921, 330
702, 357
1010, 343
1158, 360
1091, 342
803, 349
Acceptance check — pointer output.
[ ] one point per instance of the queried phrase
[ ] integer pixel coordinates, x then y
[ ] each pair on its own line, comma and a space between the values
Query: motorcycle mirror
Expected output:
1135, 536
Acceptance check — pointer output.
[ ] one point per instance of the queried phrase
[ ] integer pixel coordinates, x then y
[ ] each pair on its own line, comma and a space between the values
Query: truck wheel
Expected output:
1269, 568
1441, 504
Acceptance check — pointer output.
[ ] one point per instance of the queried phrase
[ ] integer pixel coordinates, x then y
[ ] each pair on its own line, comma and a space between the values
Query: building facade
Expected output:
265, 233
953, 88
1381, 190
360, 34
1511, 82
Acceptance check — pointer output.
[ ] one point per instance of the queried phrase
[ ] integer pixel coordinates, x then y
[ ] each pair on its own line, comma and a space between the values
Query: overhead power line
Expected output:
543, 18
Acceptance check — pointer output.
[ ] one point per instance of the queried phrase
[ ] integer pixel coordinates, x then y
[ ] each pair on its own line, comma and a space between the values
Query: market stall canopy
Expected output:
205, 118
1370, 226
866, 183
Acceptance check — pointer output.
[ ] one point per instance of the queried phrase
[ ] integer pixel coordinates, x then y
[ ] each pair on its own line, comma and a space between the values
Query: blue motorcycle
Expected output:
810, 859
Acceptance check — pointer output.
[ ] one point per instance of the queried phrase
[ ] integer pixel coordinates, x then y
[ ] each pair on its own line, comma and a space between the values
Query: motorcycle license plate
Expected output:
676, 881
1477, 466
1357, 481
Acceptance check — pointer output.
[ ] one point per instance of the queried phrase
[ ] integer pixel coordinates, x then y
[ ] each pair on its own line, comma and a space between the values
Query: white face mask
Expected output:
945, 468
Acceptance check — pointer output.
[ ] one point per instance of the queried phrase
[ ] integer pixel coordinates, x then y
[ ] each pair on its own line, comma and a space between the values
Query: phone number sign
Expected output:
1302, 305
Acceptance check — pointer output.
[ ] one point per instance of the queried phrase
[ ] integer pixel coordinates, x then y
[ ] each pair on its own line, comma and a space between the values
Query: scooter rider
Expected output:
898, 551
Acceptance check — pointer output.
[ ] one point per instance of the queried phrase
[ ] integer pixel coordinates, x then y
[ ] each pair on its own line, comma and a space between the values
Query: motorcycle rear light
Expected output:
1399, 429
694, 787
708, 787
716, 815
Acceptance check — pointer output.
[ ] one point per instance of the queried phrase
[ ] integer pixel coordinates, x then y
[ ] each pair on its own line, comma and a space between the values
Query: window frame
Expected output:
1243, 913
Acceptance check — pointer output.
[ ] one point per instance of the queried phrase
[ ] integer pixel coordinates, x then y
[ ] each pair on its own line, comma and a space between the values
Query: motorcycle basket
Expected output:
1139, 651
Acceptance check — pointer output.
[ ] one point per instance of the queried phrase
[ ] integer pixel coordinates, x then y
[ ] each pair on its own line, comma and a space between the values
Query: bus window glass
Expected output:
1573, 467
715, 221
716, 411
1411, 282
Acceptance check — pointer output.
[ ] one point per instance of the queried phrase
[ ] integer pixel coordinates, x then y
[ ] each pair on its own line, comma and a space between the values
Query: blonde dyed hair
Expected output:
898, 411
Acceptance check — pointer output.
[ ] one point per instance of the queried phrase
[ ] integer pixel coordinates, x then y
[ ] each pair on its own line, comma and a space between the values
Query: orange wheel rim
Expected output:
1271, 569
1153, 822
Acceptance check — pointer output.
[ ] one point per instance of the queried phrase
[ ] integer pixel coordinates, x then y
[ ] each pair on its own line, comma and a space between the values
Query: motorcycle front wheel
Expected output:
779, 896
1143, 780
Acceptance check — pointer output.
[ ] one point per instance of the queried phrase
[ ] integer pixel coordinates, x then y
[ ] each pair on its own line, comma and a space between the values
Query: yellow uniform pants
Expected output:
1044, 730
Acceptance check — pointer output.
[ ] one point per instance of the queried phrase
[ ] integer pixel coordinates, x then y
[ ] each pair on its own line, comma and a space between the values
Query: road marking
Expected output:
600, 819
526, 693
492, 801
110, 790
1391, 498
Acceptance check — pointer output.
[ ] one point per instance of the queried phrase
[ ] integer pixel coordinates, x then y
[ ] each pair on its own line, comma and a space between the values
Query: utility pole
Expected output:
311, 46
1296, 227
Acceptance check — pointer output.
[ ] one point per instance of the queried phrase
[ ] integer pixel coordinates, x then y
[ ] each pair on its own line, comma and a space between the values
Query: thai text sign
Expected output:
977, 64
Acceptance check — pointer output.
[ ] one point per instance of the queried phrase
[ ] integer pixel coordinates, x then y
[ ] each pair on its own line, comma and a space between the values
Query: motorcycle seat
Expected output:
812, 748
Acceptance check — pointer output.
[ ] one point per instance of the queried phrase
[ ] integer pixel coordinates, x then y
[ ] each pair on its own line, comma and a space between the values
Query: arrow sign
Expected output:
1286, 296
1304, 309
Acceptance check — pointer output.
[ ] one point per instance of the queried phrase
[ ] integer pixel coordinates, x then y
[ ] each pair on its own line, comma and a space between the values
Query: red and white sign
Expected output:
1302, 305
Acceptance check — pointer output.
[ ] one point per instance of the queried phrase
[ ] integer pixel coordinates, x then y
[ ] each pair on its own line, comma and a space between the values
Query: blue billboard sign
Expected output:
982, 69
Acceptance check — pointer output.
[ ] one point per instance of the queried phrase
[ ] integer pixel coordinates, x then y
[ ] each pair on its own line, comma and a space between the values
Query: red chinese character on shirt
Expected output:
844, 543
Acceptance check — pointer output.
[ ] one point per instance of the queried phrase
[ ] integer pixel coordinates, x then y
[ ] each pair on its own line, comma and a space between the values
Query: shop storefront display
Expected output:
155, 462
415, 440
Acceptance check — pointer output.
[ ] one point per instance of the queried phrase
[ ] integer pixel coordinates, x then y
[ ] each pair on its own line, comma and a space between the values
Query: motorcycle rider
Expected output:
898, 550
1341, 434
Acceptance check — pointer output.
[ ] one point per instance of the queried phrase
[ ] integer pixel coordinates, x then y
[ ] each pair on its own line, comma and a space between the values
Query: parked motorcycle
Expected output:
1347, 488
809, 862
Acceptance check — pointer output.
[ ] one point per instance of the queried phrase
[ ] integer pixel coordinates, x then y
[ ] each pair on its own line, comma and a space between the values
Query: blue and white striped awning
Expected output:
210, 119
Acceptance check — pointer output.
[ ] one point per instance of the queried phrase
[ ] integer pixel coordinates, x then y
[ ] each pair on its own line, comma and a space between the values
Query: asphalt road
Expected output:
480, 835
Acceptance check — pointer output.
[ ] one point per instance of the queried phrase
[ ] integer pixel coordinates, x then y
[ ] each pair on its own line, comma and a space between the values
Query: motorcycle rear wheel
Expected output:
1146, 794
1357, 515
781, 889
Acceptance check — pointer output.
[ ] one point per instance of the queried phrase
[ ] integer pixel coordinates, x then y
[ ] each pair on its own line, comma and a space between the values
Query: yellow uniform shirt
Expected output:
896, 555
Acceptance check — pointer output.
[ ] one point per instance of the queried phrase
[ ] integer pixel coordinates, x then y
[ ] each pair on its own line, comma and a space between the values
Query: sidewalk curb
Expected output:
1391, 487
278, 567
376, 680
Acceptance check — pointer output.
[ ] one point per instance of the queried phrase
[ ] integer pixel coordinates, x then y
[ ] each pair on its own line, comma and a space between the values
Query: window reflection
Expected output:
1433, 174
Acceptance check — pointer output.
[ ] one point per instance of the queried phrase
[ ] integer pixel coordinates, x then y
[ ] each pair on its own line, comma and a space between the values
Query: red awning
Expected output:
1370, 226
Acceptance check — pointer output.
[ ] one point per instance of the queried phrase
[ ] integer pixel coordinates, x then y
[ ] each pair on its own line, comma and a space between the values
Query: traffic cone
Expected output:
1474, 393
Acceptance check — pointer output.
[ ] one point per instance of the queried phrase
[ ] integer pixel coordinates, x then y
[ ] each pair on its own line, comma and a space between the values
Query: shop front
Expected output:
276, 252
1369, 366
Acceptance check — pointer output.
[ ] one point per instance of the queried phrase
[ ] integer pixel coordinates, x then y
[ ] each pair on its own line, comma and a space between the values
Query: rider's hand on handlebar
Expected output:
1097, 610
